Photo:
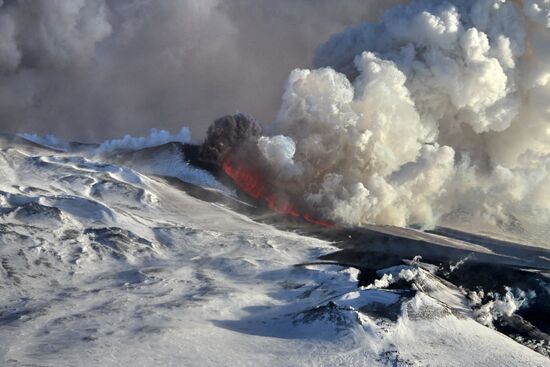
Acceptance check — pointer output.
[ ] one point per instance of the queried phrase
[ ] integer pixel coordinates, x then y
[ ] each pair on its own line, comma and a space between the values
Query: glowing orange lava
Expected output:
250, 180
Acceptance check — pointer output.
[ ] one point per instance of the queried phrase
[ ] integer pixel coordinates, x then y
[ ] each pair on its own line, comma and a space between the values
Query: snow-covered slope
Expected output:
101, 264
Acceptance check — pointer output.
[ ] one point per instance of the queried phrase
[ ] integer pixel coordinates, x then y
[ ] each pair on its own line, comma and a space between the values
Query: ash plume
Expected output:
227, 134
91, 70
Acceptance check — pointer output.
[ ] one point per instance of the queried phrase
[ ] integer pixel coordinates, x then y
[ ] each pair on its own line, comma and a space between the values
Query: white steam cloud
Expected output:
155, 138
440, 110
499, 306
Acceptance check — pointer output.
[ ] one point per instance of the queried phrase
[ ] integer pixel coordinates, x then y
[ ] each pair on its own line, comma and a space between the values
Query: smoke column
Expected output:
437, 114
97, 69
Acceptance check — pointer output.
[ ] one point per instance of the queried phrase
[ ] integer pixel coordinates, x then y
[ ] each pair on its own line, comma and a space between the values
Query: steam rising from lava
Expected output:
440, 110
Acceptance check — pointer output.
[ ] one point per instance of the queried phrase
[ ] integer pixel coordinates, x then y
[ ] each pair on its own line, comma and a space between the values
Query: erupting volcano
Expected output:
249, 179
385, 203
232, 142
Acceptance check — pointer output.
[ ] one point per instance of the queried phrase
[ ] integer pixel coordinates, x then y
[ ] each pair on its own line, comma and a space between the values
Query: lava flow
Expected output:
250, 179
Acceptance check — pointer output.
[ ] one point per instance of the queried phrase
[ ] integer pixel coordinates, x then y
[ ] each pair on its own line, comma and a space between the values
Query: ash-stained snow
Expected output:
102, 264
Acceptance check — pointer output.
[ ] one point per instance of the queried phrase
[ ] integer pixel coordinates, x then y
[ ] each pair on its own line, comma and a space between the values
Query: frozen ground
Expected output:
103, 264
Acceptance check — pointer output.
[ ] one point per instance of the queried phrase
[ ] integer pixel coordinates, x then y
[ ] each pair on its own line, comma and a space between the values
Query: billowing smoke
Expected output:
96, 69
439, 112
226, 134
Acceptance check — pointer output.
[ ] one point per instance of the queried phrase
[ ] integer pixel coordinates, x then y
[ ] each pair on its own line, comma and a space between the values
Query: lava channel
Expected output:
249, 179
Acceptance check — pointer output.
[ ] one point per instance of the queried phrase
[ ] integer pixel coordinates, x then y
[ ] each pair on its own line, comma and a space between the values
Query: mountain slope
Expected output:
101, 264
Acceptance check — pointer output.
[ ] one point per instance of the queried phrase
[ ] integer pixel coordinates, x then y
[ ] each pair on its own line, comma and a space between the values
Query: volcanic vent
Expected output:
232, 142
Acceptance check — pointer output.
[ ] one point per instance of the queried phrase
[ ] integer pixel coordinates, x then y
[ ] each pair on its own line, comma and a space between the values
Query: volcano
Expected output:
389, 207
100, 256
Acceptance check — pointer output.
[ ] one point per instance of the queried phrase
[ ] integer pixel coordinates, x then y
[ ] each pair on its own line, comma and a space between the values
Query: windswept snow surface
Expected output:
105, 265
